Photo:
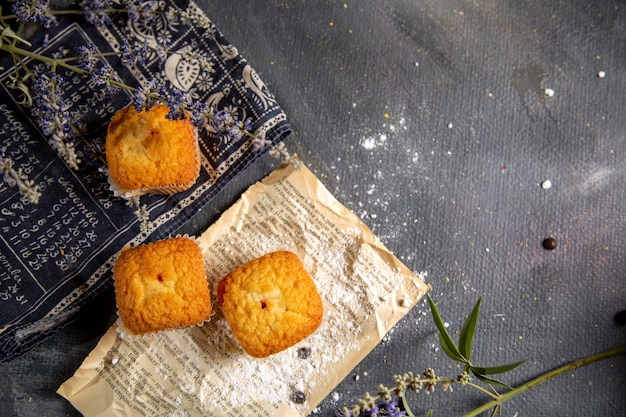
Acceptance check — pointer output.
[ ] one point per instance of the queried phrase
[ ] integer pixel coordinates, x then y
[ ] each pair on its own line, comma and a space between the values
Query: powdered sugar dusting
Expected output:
275, 379
364, 289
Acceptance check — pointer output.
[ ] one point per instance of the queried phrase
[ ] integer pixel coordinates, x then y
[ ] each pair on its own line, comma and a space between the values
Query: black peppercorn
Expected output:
298, 397
549, 243
304, 353
620, 318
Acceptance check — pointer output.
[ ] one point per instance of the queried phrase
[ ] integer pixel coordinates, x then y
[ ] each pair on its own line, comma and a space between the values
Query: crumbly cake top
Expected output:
162, 285
146, 150
270, 303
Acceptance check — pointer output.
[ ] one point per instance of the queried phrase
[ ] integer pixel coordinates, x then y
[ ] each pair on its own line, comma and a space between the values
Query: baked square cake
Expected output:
161, 285
270, 303
147, 153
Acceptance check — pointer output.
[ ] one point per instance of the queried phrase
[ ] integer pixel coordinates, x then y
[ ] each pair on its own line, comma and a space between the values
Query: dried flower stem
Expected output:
461, 352
17, 51
277, 151
221, 123
16, 177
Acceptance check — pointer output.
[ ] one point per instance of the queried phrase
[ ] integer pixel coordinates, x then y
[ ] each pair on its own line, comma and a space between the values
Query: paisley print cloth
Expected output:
56, 255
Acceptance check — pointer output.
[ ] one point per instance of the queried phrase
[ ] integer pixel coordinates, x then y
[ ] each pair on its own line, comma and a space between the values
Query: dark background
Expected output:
430, 120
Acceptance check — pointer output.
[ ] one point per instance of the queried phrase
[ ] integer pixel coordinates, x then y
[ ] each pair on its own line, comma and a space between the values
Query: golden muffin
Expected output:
147, 153
270, 303
161, 285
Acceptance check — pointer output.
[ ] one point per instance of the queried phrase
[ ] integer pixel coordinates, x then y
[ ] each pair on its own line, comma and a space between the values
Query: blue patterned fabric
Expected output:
56, 255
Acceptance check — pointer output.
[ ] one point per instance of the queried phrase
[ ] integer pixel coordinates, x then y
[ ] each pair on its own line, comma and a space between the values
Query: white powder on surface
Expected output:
348, 308
275, 380
351, 289
381, 139
373, 142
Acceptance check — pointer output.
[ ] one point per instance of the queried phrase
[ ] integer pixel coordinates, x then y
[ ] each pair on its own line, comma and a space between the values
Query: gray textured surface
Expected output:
429, 120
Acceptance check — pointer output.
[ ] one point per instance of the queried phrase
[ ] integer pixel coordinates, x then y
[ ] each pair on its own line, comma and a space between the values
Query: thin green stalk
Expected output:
408, 410
485, 391
571, 366
409, 413
98, 55
16, 51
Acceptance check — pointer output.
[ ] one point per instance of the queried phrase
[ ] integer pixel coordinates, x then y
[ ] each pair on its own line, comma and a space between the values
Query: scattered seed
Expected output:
549, 243
548, 92
298, 397
601, 74
546, 184
304, 353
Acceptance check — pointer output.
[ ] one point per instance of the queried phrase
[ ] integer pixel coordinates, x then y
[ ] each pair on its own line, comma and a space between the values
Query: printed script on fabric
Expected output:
57, 254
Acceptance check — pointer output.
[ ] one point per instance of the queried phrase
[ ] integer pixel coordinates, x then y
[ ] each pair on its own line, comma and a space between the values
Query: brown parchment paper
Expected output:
202, 370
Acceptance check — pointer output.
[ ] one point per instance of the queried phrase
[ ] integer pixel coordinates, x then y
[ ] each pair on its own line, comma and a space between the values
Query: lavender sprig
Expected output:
134, 54
461, 352
141, 213
97, 12
226, 126
16, 177
386, 408
52, 112
42, 91
144, 12
29, 11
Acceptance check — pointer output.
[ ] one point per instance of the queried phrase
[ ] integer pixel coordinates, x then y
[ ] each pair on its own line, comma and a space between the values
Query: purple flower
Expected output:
385, 409
177, 102
95, 12
103, 77
134, 54
391, 409
143, 12
227, 127
145, 96
162, 50
50, 107
199, 111
52, 113
372, 412
87, 59
34, 11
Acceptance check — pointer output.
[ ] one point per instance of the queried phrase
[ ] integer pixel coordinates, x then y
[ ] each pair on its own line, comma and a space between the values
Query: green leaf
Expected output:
447, 344
468, 330
491, 370
490, 381
454, 355
429, 413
